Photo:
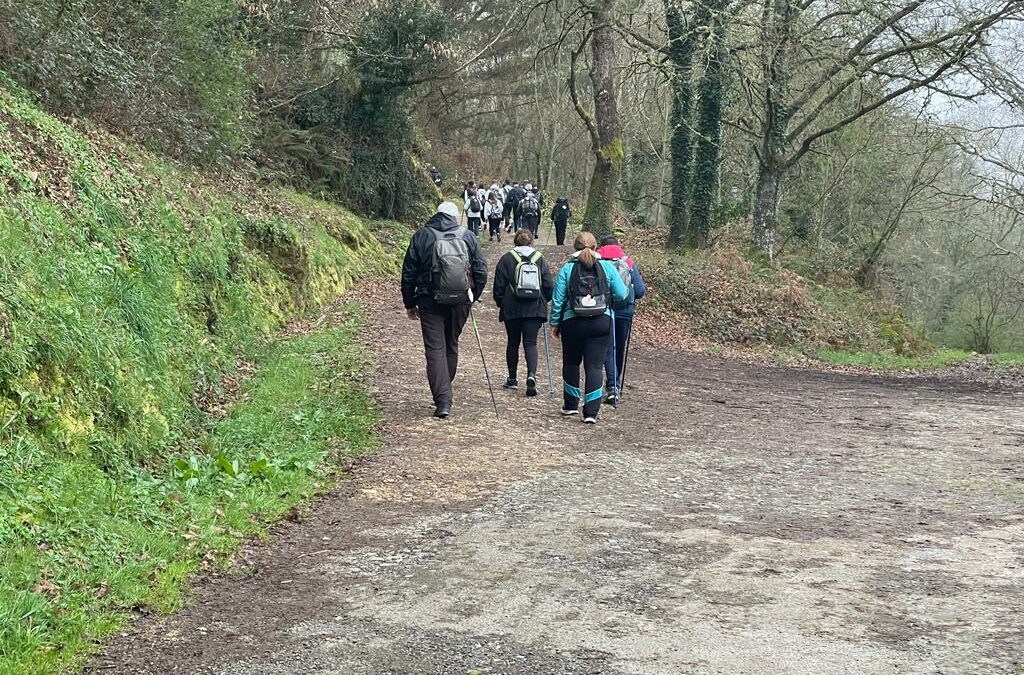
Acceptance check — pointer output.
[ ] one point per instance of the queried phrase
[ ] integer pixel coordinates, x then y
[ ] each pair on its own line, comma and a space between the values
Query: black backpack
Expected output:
474, 204
588, 290
451, 268
561, 211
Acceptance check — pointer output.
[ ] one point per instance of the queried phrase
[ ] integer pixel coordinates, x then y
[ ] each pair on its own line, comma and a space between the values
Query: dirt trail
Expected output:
726, 519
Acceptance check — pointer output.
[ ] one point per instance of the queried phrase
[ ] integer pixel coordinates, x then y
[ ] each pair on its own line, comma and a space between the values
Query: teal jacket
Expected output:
560, 310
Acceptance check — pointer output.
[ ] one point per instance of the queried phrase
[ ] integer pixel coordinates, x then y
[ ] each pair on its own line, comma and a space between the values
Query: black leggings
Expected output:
494, 224
585, 341
522, 331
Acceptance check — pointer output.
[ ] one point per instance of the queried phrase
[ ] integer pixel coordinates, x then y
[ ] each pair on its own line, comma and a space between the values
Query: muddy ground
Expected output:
728, 518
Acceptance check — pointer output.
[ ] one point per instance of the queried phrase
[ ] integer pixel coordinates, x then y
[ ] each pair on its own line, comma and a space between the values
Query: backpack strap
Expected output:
568, 290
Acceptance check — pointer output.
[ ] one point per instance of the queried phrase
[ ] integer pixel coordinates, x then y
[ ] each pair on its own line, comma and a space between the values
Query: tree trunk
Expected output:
608, 151
778, 17
766, 205
681, 46
709, 130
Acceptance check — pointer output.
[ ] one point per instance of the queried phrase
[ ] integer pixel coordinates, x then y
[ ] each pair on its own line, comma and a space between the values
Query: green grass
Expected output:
83, 547
1007, 359
129, 289
881, 361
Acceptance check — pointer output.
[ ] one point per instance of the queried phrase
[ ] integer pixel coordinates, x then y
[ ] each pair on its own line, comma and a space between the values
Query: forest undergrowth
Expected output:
141, 300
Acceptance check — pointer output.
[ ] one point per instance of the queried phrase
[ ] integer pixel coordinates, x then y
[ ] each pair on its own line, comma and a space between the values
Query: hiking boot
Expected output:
531, 385
613, 396
510, 383
590, 420
569, 412
443, 411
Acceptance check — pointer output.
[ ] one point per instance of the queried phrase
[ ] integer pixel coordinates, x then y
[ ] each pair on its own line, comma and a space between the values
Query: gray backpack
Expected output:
626, 275
527, 281
451, 268
530, 206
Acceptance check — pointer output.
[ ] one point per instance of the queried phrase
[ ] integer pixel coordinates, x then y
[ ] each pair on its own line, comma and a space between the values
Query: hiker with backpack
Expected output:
627, 271
523, 286
444, 272
560, 215
508, 204
529, 209
436, 176
581, 315
494, 213
518, 194
474, 207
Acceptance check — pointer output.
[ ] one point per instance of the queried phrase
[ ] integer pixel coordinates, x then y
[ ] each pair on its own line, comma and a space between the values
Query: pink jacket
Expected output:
614, 251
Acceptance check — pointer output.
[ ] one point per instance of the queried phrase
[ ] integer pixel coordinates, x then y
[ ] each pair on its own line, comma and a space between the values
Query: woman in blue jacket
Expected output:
581, 315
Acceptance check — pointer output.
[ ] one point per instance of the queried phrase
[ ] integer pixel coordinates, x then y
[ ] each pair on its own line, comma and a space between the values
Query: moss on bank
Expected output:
130, 290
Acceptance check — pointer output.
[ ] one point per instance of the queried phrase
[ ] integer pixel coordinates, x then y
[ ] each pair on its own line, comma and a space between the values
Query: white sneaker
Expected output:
590, 420
569, 413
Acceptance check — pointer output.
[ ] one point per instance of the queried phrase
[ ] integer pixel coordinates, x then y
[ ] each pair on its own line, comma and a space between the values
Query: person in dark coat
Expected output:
611, 250
441, 324
523, 318
560, 215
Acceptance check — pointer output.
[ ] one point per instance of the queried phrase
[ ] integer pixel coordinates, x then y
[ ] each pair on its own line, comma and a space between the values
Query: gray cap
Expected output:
448, 208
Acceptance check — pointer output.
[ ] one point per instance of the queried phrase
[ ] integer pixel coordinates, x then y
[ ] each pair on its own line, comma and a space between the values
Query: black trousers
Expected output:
524, 332
584, 341
442, 325
532, 223
494, 226
473, 224
560, 227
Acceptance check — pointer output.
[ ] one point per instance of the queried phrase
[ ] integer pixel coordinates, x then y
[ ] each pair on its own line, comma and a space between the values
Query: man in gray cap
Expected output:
443, 274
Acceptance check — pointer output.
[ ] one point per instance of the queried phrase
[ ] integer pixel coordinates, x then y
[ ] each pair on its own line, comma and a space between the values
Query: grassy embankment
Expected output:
134, 294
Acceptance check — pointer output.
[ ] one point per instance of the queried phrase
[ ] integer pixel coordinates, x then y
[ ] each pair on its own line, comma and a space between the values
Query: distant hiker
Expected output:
581, 314
436, 176
494, 212
498, 192
539, 195
507, 203
561, 212
529, 209
474, 208
523, 285
518, 193
444, 271
628, 272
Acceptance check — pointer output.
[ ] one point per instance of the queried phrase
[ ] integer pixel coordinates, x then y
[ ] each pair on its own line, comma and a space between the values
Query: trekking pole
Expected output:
547, 355
615, 368
487, 373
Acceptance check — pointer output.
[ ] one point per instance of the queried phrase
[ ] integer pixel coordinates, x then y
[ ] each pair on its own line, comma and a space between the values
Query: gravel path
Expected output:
726, 519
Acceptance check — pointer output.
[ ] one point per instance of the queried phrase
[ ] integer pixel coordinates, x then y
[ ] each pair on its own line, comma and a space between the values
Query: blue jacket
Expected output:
639, 291
560, 310
614, 251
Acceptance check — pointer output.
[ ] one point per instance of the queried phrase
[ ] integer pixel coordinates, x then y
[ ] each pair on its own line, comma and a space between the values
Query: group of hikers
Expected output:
510, 207
589, 306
